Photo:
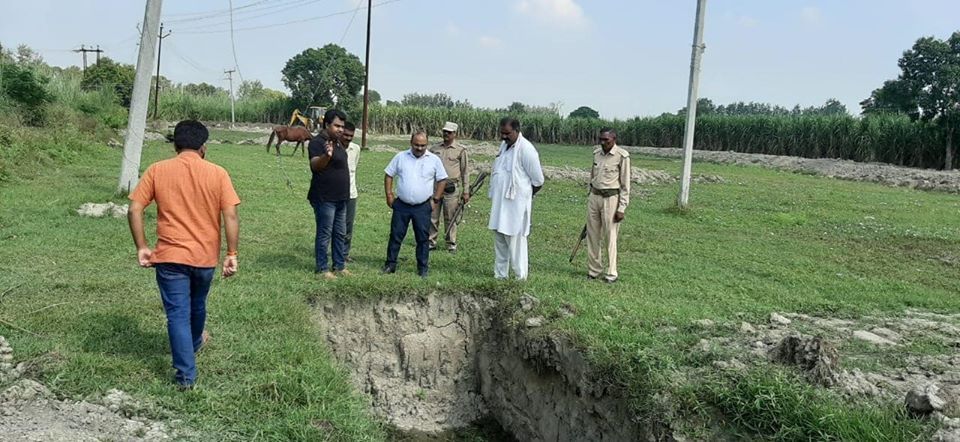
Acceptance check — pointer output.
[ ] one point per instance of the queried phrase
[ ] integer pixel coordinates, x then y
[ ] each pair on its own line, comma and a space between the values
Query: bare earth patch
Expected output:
29, 411
886, 174
910, 358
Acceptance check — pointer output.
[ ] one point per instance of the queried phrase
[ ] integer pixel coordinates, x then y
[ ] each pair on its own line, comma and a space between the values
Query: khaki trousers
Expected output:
448, 207
602, 235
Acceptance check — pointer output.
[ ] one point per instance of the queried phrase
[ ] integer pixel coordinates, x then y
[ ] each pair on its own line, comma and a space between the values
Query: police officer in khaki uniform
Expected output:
606, 205
454, 158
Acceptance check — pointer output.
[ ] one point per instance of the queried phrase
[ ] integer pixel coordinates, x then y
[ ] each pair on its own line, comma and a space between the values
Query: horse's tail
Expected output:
273, 133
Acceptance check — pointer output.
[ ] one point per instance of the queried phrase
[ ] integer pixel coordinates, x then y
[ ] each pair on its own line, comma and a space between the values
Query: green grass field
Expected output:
76, 307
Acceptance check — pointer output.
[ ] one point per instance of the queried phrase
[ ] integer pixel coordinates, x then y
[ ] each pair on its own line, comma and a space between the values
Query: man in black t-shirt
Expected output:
329, 193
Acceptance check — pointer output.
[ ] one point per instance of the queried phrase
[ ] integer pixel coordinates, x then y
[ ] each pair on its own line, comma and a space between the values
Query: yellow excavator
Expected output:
312, 119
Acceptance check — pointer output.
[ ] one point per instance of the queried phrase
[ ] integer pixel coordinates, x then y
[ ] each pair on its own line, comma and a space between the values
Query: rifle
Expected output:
576, 247
458, 213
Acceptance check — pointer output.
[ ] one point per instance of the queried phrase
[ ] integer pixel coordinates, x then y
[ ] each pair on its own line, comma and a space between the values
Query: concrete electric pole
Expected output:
233, 115
137, 118
683, 200
156, 94
366, 81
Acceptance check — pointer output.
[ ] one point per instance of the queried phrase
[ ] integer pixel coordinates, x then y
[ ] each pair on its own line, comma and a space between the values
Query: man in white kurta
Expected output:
516, 176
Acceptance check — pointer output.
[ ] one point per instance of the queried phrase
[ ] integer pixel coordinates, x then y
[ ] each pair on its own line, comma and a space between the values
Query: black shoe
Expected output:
432, 247
610, 281
423, 273
387, 268
591, 277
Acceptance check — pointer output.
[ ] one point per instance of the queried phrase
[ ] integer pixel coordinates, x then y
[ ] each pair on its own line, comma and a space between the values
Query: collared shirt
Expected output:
353, 158
515, 171
416, 177
333, 182
455, 162
190, 193
612, 171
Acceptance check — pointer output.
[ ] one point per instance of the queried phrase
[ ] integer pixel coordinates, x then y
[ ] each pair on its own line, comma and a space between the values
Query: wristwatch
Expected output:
437, 200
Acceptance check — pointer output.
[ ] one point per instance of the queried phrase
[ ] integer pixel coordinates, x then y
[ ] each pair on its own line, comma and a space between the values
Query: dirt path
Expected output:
895, 176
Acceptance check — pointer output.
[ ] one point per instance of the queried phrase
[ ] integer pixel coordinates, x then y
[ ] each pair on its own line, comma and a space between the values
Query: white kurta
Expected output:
515, 171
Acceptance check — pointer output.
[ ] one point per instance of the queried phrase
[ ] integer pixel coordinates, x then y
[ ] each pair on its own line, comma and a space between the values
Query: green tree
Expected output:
894, 96
26, 56
584, 112
831, 107
250, 89
204, 89
927, 89
110, 74
374, 96
705, 106
24, 86
323, 77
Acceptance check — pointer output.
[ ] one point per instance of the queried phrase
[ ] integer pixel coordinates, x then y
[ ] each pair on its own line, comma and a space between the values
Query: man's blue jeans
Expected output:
331, 217
183, 290
403, 214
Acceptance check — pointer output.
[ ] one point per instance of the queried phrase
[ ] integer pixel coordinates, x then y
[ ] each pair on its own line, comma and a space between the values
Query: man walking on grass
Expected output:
192, 196
353, 159
606, 205
454, 158
420, 180
516, 177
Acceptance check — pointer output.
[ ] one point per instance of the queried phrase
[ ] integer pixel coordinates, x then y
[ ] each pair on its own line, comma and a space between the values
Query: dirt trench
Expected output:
438, 363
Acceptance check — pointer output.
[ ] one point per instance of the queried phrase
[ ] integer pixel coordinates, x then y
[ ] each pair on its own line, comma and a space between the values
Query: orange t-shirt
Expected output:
190, 193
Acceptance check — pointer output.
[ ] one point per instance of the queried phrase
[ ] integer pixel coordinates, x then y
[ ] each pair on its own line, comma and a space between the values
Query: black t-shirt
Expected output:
333, 182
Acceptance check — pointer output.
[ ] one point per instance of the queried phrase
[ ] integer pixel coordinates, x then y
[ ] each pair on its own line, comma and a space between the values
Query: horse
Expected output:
299, 134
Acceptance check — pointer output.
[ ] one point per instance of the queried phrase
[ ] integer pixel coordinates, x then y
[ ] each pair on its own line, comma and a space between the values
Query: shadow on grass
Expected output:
121, 335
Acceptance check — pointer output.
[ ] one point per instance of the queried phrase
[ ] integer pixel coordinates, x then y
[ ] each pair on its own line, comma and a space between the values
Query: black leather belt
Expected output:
606, 193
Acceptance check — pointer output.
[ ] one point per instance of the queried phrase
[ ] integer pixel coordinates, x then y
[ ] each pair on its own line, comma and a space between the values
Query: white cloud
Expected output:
747, 21
489, 42
452, 29
811, 14
559, 12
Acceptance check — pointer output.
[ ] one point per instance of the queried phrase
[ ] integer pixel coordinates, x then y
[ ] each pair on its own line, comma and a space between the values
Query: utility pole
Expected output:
683, 199
137, 118
83, 50
156, 94
366, 80
233, 115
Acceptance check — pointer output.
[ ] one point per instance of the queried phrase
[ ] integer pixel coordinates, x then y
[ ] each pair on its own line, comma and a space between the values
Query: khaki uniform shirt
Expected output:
612, 171
454, 159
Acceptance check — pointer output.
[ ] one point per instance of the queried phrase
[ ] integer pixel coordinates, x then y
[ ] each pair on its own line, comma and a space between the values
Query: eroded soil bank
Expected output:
435, 363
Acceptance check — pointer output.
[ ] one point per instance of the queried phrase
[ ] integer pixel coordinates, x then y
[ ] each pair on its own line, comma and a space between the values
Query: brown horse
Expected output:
290, 133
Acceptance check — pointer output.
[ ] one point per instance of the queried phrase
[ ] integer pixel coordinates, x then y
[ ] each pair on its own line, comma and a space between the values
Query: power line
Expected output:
273, 9
233, 46
211, 12
274, 25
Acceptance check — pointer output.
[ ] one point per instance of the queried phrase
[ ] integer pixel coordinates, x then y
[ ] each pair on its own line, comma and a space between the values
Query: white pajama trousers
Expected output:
510, 251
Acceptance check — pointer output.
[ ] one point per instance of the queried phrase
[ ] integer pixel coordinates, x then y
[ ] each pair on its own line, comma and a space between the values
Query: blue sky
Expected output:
621, 57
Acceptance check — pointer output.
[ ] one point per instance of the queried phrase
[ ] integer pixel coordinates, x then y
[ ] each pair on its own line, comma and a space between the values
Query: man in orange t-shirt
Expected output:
191, 194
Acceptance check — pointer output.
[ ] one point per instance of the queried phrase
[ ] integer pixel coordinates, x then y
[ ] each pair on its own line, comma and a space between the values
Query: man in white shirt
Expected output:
353, 158
420, 181
516, 177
